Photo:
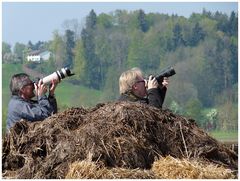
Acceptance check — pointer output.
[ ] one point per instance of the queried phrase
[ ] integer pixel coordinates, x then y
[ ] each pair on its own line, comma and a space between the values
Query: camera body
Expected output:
58, 75
169, 71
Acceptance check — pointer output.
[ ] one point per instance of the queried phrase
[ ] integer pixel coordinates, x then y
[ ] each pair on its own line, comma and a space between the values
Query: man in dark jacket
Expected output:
21, 105
134, 88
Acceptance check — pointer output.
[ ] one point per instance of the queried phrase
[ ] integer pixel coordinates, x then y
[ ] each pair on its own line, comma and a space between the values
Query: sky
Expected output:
36, 21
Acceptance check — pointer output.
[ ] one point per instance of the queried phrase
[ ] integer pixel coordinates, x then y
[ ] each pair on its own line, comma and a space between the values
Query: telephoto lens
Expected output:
165, 73
58, 75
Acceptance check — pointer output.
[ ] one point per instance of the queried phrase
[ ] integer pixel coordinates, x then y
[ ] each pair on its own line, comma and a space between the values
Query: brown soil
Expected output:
121, 134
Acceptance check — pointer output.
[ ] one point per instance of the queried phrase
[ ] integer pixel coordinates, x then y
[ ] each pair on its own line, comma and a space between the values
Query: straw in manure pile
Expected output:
91, 170
173, 168
165, 168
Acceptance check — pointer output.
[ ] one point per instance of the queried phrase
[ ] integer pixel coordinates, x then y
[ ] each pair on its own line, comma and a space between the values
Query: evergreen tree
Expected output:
233, 25
143, 25
30, 46
70, 44
39, 45
197, 35
92, 68
222, 21
91, 21
206, 13
177, 36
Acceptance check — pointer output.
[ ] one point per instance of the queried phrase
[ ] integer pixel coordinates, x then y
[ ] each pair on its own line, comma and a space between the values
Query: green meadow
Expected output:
225, 136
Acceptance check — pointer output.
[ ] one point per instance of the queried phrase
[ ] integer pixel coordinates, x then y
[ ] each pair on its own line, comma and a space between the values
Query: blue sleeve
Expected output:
37, 111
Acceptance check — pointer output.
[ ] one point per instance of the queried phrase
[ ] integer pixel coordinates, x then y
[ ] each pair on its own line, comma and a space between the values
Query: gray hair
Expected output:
18, 81
128, 79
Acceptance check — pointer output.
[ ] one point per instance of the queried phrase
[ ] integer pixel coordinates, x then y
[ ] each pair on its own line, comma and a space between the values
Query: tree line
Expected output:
202, 49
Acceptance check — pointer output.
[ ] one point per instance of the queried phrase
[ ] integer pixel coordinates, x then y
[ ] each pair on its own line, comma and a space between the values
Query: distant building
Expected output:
38, 56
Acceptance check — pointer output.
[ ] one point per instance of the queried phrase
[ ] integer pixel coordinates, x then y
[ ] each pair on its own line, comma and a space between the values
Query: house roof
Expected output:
37, 52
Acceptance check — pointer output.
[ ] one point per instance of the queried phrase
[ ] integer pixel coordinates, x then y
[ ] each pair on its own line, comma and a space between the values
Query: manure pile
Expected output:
113, 135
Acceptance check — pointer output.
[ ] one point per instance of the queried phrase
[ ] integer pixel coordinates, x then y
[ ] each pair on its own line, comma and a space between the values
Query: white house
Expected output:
38, 56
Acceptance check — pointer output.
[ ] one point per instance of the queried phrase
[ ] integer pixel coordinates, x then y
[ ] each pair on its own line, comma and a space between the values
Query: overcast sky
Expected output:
24, 21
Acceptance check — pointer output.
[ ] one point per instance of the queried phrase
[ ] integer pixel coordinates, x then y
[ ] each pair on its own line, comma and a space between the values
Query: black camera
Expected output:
165, 73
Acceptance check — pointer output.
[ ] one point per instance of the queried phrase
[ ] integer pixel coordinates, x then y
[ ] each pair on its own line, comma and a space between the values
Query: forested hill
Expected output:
203, 49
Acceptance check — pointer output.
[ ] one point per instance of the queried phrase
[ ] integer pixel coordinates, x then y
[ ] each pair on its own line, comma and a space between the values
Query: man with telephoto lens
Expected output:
21, 105
134, 88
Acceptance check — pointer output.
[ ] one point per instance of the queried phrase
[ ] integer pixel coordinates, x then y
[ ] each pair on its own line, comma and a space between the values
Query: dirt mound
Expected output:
126, 135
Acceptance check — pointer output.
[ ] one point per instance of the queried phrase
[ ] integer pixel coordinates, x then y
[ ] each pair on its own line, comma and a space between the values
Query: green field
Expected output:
69, 95
225, 136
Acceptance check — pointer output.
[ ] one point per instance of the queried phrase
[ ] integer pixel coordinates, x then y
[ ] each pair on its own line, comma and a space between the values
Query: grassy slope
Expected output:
225, 136
69, 95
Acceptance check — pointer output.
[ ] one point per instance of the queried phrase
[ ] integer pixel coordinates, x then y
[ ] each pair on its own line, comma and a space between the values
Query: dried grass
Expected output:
173, 168
90, 170
164, 168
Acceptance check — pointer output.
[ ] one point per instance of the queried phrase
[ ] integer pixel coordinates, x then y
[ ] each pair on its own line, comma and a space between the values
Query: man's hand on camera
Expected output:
53, 86
152, 82
40, 88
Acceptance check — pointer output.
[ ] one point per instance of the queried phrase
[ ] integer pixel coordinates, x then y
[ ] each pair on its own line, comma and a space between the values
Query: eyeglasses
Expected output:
140, 81
29, 84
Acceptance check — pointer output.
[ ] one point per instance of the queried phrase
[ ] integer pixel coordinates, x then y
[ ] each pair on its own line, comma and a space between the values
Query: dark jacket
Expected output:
19, 108
154, 98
